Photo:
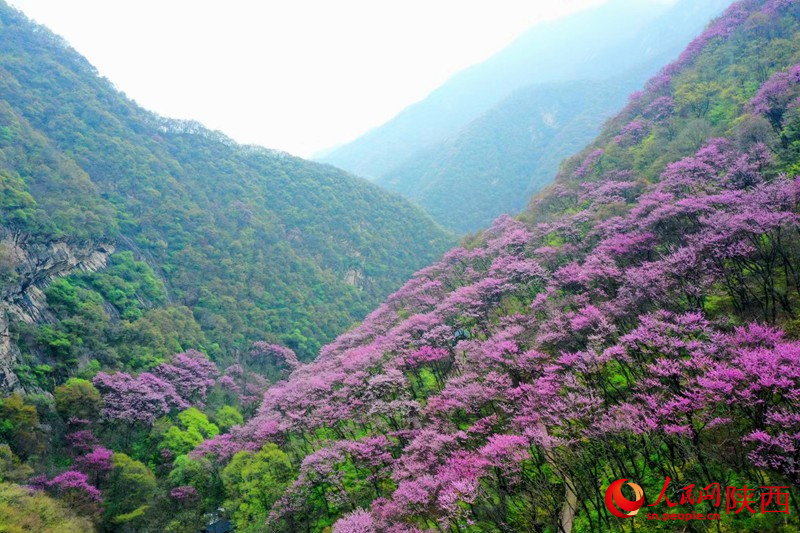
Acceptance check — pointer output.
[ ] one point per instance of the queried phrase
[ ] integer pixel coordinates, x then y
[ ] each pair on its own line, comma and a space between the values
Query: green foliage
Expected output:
118, 316
23, 511
228, 416
193, 428
36, 376
790, 139
131, 518
11, 467
19, 427
185, 521
253, 482
58, 343
695, 97
129, 285
78, 398
160, 332
130, 487
201, 474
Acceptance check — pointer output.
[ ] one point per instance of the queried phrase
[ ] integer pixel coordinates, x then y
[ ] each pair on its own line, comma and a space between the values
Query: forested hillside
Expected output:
210, 245
639, 321
514, 149
508, 153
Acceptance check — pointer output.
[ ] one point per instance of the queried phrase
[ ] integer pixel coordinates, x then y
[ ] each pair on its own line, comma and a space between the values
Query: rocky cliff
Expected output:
26, 268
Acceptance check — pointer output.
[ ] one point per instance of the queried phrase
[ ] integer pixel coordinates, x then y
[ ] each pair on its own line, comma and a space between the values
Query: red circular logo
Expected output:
614, 496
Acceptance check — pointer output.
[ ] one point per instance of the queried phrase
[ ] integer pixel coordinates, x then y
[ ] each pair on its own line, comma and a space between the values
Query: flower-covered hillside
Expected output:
640, 321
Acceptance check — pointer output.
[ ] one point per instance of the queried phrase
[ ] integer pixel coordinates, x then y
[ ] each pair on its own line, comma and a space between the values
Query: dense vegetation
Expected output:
508, 153
23, 511
570, 82
221, 244
639, 320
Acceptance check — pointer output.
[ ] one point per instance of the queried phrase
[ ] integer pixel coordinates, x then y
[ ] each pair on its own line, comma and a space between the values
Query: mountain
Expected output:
126, 237
551, 51
637, 323
514, 149
508, 153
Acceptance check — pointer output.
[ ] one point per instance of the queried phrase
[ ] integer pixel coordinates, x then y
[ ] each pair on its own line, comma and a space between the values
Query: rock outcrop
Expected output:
26, 268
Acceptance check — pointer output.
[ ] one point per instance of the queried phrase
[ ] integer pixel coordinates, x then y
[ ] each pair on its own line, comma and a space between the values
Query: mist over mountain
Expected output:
545, 96
508, 153
514, 149
551, 51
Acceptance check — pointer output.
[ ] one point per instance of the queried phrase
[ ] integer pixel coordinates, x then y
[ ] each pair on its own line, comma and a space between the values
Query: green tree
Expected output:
11, 468
228, 416
19, 426
203, 475
194, 427
22, 510
696, 96
254, 481
78, 398
130, 489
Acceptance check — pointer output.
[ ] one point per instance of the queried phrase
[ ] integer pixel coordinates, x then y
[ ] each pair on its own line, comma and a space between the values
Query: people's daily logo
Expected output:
769, 499
616, 501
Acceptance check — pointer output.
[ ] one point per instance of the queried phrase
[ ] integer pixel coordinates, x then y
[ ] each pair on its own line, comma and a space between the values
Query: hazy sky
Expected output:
296, 75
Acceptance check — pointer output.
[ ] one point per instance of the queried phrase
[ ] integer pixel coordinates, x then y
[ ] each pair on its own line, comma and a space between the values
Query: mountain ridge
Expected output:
440, 177
461, 99
81, 162
624, 326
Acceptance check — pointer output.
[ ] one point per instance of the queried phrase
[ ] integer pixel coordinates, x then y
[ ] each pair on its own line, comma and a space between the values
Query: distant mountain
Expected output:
501, 158
170, 236
559, 50
514, 149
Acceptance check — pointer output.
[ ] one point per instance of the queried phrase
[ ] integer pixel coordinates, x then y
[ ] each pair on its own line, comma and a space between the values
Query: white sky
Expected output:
295, 75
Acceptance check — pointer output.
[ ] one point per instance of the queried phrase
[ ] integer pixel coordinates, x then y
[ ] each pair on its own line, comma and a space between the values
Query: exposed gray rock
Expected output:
8, 358
27, 268
355, 276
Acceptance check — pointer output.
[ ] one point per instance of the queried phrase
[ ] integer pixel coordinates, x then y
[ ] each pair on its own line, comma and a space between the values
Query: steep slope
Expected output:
639, 322
514, 149
217, 245
508, 153
560, 50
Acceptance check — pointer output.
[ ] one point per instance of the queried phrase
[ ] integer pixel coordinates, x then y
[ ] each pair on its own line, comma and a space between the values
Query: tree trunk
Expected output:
570, 506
